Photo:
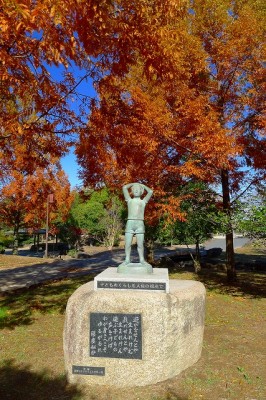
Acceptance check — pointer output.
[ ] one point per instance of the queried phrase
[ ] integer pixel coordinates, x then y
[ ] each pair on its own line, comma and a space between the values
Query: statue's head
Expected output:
137, 189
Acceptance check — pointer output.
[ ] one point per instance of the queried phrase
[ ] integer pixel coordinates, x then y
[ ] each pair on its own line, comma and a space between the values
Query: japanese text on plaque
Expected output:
115, 335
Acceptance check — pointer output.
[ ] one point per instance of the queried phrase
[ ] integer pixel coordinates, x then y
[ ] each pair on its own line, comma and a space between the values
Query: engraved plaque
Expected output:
115, 335
83, 370
161, 286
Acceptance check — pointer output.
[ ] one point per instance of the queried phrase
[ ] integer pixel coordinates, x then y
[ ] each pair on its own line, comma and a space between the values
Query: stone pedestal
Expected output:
133, 337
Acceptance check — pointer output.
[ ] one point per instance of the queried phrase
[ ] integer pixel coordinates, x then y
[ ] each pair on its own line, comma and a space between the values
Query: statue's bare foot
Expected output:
126, 262
143, 262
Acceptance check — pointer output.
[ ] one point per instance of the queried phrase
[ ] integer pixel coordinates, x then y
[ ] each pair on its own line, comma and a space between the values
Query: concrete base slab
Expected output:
133, 338
110, 279
135, 268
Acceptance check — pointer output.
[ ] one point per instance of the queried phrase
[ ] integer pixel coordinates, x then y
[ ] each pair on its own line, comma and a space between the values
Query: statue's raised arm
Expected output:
137, 186
126, 192
149, 193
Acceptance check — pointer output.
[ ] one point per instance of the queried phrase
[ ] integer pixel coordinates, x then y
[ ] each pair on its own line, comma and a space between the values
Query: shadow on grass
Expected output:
250, 270
250, 281
248, 284
20, 383
18, 308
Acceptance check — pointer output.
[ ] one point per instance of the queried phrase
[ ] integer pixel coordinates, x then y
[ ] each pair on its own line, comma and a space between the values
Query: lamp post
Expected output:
50, 199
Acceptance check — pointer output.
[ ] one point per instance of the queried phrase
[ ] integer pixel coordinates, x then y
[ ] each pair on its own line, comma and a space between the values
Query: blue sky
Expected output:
70, 166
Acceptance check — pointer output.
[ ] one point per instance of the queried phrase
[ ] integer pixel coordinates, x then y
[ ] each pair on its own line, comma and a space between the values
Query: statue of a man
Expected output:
135, 220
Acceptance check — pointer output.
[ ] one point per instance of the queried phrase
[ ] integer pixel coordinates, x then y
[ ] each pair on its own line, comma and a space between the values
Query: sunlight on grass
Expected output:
230, 366
18, 307
3, 313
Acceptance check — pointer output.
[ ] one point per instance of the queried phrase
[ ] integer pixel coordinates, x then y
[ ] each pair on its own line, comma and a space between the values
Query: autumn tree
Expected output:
41, 45
180, 90
23, 199
191, 107
39, 41
33, 109
232, 36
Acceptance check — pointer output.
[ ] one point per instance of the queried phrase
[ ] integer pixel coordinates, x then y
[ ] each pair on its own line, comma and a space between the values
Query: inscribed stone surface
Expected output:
115, 335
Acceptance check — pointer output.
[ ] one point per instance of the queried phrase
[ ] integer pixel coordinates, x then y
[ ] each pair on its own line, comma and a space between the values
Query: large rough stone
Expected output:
172, 333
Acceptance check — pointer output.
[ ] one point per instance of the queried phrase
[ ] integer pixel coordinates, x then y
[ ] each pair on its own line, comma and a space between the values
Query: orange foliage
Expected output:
181, 88
190, 107
136, 134
33, 106
23, 198
35, 36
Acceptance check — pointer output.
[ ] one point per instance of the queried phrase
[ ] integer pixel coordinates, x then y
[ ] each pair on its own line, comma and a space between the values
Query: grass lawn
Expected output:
232, 365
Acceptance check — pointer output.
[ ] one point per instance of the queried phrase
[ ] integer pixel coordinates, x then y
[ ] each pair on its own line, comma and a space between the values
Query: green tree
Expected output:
250, 220
99, 214
5, 240
201, 218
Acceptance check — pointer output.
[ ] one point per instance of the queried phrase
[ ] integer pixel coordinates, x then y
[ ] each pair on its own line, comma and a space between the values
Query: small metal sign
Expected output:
83, 370
115, 335
131, 285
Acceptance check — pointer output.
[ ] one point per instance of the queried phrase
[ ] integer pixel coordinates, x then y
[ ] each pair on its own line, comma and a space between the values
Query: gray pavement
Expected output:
23, 277
220, 242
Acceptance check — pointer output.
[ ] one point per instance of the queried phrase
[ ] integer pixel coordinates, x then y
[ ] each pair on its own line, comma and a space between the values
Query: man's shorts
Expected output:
135, 226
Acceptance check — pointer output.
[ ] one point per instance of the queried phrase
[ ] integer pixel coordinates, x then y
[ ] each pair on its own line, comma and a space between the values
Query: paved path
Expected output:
26, 276
220, 242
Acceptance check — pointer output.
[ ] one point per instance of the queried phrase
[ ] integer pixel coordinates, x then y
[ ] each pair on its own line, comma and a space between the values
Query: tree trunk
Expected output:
230, 257
196, 261
16, 239
149, 247
197, 250
230, 254
38, 242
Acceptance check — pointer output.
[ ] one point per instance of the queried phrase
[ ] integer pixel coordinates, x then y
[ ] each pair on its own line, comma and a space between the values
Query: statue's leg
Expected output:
140, 244
128, 242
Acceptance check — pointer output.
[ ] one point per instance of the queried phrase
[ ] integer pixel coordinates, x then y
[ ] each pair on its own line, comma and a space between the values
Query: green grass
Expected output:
3, 313
20, 307
232, 366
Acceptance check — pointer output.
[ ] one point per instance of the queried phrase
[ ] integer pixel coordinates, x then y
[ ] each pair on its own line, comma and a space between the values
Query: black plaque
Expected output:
115, 335
131, 285
83, 370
